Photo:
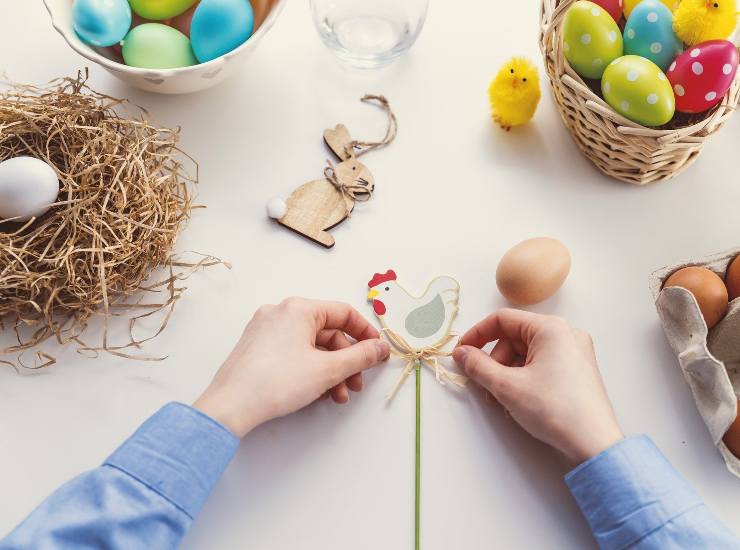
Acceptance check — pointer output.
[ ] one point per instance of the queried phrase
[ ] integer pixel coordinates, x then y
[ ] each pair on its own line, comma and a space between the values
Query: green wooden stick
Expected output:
418, 453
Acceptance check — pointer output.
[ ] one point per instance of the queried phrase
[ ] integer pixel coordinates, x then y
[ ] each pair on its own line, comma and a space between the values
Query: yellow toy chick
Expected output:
696, 21
514, 93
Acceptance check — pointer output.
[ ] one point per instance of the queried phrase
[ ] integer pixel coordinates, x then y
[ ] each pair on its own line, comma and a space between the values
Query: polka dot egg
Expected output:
637, 89
613, 8
649, 33
591, 39
702, 75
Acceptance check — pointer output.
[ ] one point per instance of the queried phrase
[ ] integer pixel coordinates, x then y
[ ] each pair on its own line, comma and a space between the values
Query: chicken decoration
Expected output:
697, 21
514, 93
420, 331
320, 205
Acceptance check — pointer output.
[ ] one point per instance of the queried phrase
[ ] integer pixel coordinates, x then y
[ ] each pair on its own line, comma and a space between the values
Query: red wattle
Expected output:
378, 307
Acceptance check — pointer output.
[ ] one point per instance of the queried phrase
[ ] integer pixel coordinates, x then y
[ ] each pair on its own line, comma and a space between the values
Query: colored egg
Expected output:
701, 75
591, 39
637, 89
101, 22
157, 10
612, 7
630, 5
649, 33
157, 46
219, 26
28, 186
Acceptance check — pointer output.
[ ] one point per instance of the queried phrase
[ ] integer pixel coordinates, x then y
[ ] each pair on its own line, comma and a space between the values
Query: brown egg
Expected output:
732, 437
708, 289
533, 270
732, 279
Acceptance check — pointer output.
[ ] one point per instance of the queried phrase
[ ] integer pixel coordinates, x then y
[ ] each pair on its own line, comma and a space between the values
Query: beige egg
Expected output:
533, 270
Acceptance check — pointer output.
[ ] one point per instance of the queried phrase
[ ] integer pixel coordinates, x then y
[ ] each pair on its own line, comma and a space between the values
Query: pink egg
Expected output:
612, 7
701, 75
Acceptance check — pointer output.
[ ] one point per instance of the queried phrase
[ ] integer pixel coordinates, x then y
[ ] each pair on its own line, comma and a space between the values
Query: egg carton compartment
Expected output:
709, 359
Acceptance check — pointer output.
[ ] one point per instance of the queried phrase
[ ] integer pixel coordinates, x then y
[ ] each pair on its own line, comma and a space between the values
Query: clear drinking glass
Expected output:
369, 33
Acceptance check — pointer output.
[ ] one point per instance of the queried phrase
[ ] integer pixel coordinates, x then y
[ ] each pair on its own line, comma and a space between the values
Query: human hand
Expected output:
558, 396
289, 356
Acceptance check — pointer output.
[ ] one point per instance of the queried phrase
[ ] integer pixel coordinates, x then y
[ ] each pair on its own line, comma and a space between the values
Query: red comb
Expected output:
377, 279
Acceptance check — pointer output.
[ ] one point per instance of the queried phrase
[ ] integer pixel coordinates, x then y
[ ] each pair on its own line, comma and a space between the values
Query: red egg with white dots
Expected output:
701, 76
612, 7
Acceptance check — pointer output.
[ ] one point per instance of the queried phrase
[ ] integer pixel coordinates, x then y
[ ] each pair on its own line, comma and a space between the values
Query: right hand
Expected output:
557, 395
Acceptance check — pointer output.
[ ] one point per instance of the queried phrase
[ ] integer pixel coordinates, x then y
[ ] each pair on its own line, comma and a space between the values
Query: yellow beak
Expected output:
372, 294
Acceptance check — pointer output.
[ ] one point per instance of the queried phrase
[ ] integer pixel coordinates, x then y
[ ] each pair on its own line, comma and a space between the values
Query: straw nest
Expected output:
124, 198
617, 146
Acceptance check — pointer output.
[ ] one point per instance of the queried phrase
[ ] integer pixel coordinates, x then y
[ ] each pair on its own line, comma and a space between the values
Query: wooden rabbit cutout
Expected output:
316, 207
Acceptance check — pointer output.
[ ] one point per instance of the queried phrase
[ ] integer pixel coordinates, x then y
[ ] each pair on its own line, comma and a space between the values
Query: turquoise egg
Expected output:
219, 26
649, 33
637, 89
101, 22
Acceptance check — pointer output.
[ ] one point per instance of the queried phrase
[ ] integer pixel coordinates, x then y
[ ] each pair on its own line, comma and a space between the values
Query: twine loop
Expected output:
357, 148
428, 356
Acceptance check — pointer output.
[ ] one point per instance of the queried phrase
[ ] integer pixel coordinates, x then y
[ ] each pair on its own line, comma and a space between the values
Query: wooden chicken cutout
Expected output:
316, 207
424, 321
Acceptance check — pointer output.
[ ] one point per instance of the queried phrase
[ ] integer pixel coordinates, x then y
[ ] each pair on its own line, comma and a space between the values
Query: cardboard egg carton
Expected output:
710, 359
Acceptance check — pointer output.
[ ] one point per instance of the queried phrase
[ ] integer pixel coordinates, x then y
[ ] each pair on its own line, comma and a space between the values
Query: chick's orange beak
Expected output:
515, 83
372, 294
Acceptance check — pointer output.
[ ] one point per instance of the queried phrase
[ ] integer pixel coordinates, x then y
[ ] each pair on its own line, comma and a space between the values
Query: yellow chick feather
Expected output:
514, 93
696, 21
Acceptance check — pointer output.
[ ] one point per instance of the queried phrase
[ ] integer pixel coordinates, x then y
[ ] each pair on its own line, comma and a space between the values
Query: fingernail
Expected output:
384, 349
459, 354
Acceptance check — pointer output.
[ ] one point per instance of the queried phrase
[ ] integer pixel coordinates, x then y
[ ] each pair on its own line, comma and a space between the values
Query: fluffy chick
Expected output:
514, 93
696, 21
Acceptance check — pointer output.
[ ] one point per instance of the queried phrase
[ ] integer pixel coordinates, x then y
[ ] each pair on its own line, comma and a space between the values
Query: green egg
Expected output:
637, 89
157, 46
591, 39
157, 10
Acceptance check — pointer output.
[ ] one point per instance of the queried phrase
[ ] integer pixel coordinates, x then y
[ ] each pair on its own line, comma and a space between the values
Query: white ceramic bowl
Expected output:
167, 81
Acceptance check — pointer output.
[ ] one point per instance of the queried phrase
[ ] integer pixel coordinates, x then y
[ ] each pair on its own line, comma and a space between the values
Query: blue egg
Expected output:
649, 34
101, 22
220, 26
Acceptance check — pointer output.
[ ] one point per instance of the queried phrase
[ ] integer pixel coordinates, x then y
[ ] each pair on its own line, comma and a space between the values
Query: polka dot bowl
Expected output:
168, 81
619, 147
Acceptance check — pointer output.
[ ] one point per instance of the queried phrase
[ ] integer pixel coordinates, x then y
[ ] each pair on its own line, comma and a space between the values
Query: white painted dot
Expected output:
656, 47
612, 36
625, 105
630, 33
652, 99
661, 76
607, 87
586, 39
566, 46
598, 62
695, 52
616, 61
652, 17
679, 90
697, 68
727, 68
595, 11
632, 75
672, 67
711, 96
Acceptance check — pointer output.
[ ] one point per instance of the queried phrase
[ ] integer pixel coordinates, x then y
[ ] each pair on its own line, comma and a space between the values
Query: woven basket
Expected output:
617, 146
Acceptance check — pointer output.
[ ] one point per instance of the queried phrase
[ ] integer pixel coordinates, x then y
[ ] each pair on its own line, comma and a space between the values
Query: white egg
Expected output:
28, 186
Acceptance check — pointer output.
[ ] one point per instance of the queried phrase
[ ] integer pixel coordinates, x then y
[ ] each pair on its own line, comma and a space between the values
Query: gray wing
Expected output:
426, 320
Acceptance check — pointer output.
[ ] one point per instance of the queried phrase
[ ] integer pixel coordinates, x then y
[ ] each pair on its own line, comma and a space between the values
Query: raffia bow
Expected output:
426, 356
354, 191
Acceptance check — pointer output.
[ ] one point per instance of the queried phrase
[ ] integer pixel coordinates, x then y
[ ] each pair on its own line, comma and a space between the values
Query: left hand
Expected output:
288, 357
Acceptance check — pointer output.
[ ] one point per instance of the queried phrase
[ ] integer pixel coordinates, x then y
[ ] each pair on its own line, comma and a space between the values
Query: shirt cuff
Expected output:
628, 491
180, 453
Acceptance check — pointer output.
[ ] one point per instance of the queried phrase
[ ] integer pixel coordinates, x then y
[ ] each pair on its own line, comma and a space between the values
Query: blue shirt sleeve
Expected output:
145, 495
632, 497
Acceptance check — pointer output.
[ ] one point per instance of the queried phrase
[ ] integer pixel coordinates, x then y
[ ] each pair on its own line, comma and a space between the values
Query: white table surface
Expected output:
453, 193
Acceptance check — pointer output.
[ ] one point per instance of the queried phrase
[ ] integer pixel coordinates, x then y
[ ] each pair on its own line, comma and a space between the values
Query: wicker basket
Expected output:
619, 147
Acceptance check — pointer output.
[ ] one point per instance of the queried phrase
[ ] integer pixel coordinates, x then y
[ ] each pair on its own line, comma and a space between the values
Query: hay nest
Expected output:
124, 198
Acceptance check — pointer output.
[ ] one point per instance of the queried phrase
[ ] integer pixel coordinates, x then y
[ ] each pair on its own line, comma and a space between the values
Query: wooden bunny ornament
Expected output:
319, 205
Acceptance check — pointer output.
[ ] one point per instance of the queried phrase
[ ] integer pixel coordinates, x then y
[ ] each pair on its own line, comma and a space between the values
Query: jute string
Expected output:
355, 191
428, 356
